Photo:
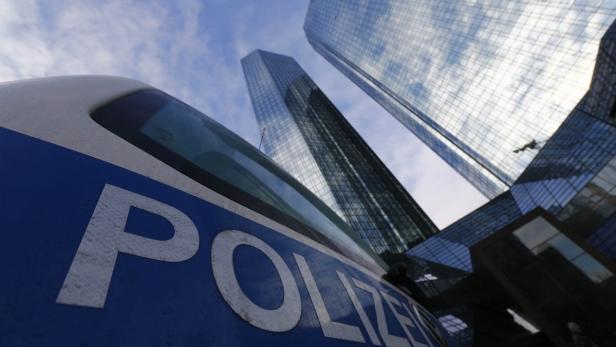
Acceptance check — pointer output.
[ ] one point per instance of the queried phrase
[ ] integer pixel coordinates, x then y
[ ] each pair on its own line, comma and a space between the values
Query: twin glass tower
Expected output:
483, 84
305, 134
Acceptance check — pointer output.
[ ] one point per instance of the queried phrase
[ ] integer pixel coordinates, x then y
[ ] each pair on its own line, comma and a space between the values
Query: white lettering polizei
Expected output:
330, 328
89, 277
360, 309
281, 319
381, 322
403, 320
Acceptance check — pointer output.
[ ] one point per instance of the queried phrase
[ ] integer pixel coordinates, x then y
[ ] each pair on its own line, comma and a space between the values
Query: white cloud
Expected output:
156, 42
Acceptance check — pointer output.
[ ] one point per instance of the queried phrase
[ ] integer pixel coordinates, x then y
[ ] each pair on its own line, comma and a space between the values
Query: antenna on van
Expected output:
261, 139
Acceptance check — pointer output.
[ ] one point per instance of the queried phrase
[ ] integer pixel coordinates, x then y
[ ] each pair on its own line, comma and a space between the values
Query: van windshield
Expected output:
204, 150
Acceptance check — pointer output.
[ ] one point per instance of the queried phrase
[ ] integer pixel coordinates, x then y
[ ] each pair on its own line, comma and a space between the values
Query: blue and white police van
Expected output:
128, 218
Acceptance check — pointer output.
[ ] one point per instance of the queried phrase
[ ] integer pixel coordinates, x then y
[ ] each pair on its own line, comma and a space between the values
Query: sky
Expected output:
192, 50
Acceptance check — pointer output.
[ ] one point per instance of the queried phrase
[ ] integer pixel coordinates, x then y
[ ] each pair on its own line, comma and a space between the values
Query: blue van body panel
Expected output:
48, 196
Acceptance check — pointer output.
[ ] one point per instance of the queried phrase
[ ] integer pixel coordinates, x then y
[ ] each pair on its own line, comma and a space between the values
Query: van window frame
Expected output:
125, 116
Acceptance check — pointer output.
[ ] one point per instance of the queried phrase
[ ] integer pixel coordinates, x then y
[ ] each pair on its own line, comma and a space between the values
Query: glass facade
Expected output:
573, 177
563, 275
554, 277
451, 246
307, 136
567, 164
484, 84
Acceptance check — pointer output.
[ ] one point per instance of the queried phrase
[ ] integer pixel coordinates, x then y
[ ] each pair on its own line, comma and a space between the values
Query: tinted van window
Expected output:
199, 147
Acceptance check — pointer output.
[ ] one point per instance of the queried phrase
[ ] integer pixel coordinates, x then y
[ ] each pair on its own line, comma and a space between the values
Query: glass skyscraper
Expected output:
549, 242
307, 136
572, 177
483, 84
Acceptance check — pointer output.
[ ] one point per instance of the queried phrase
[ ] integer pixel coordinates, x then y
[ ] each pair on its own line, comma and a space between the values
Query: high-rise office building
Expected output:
305, 134
483, 84
551, 239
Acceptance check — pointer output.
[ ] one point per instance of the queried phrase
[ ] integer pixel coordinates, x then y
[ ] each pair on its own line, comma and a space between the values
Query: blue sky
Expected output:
192, 50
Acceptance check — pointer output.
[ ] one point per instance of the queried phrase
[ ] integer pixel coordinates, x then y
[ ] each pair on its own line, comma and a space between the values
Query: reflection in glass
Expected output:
592, 268
475, 81
451, 246
535, 233
539, 237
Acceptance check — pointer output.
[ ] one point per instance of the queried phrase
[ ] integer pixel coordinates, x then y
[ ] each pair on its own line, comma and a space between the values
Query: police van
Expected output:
128, 218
